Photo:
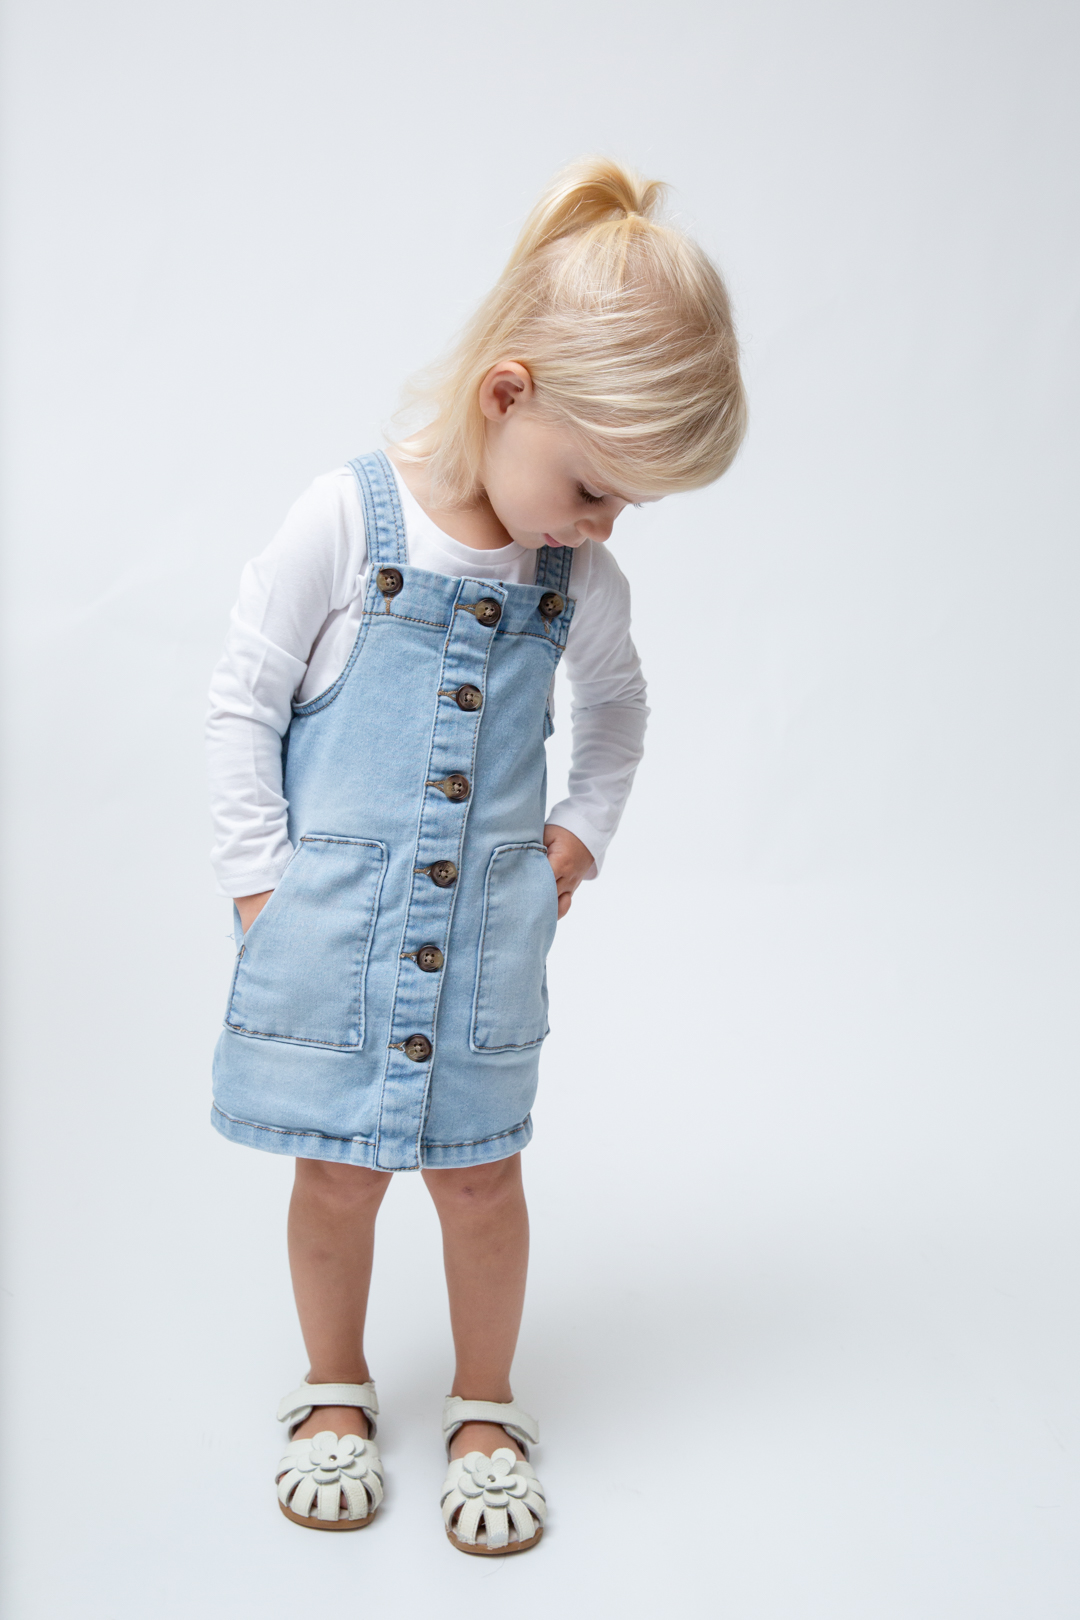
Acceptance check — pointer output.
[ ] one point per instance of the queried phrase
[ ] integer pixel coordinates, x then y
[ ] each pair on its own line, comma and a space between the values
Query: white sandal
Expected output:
498, 1500
315, 1474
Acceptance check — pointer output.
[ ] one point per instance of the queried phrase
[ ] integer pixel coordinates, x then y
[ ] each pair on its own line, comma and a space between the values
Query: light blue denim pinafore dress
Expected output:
389, 1002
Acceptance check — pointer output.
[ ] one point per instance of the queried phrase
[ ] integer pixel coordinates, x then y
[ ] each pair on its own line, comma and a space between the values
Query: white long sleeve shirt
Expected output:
290, 636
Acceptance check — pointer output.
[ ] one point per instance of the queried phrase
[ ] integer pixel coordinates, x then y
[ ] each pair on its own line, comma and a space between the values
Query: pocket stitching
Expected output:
307, 1040
509, 1046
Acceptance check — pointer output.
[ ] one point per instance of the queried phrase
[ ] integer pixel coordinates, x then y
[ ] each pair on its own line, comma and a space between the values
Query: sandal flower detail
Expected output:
329, 1482
492, 1505
492, 1477
323, 1470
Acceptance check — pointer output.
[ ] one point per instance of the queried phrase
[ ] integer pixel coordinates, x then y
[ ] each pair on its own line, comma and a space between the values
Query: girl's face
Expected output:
536, 474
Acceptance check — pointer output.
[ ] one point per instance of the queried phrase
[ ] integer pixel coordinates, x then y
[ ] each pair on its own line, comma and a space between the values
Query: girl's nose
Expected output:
596, 528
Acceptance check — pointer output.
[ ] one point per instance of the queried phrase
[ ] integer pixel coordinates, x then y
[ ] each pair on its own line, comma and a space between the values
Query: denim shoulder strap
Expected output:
553, 565
383, 520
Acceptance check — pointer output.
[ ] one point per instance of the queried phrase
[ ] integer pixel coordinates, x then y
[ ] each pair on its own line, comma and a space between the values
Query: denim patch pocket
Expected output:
521, 908
301, 968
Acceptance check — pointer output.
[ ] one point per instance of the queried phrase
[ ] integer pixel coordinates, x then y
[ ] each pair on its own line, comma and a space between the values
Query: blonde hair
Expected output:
626, 329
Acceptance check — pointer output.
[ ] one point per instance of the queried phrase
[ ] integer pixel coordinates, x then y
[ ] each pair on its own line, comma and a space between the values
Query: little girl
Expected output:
377, 760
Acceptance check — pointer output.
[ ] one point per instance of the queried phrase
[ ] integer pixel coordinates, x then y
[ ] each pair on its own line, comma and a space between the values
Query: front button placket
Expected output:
449, 788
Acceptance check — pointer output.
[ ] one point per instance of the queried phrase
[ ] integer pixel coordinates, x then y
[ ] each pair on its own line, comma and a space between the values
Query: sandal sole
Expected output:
326, 1524
478, 1549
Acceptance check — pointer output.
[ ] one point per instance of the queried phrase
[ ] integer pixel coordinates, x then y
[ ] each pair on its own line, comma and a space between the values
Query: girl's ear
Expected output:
506, 385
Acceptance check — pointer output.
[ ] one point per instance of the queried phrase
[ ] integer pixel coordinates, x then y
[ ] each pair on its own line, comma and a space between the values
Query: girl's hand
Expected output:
570, 860
250, 906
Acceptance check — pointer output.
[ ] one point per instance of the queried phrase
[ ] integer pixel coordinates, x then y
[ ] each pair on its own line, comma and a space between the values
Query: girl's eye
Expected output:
590, 500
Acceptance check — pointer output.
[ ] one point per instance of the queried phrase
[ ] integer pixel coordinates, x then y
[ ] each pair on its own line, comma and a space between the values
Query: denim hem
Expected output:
298, 1144
459, 1155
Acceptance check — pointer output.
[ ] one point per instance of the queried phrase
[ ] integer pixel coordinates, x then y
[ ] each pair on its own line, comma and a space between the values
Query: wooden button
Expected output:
389, 581
456, 787
488, 611
469, 698
442, 873
429, 959
550, 605
417, 1048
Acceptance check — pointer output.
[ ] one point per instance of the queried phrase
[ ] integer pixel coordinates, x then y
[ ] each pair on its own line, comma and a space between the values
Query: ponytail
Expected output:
593, 191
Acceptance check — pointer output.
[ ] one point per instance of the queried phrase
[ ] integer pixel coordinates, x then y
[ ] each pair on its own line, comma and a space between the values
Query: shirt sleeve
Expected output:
608, 708
313, 568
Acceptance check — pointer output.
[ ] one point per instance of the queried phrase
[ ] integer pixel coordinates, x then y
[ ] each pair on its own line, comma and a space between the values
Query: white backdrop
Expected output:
802, 1327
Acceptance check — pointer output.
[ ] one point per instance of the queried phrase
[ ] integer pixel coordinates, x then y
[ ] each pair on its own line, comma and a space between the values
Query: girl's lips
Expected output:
550, 540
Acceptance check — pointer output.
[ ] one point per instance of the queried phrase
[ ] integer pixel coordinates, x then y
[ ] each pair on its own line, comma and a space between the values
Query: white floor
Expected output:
811, 1354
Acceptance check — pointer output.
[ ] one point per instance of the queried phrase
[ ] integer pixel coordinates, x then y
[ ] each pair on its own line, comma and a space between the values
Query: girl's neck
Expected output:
475, 526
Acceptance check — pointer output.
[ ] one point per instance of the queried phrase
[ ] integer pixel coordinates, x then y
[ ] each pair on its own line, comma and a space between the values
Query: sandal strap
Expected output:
523, 1428
294, 1408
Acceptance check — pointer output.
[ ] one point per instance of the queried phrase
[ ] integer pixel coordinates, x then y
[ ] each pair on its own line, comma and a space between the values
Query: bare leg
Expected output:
331, 1239
485, 1229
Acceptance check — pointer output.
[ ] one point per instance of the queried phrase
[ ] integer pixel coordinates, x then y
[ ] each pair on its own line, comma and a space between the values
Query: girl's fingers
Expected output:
564, 888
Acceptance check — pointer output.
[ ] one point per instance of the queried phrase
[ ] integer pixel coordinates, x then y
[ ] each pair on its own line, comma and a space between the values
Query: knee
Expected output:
341, 1188
478, 1188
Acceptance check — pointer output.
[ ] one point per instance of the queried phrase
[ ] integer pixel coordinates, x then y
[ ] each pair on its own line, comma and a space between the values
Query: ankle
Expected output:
481, 1389
354, 1375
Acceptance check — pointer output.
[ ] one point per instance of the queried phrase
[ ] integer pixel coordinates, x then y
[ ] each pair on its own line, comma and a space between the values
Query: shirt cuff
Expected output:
252, 880
565, 815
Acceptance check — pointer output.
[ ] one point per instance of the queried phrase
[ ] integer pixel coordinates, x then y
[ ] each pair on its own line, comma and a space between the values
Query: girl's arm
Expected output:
309, 574
608, 715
